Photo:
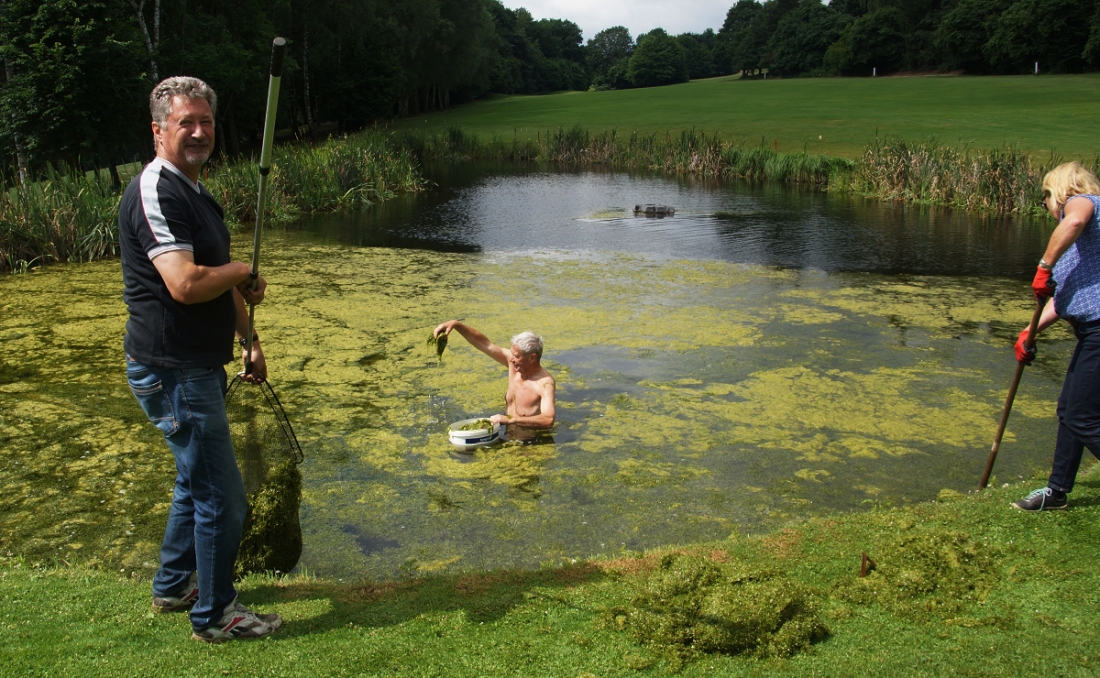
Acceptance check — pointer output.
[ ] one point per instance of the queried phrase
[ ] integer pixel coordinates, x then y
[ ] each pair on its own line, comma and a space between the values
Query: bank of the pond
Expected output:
962, 586
67, 217
1000, 180
72, 216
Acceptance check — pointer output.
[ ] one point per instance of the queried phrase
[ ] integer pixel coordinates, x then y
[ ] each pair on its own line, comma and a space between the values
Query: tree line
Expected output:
77, 73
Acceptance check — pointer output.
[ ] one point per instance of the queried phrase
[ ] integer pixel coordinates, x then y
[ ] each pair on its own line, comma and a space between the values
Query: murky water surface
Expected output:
803, 353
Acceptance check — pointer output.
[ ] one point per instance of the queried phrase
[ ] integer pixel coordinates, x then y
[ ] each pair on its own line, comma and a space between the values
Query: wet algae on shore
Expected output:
696, 399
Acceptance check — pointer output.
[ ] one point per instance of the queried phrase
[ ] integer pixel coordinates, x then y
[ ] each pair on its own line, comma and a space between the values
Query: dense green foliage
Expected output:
862, 37
77, 74
354, 63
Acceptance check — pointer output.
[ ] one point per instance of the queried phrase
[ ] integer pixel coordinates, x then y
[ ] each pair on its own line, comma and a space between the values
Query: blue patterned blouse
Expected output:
1077, 296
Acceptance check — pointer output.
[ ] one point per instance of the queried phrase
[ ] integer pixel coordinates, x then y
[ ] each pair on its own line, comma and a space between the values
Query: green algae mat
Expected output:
697, 399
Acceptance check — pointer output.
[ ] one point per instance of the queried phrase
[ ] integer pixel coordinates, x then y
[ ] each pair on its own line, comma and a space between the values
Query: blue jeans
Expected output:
1078, 409
209, 502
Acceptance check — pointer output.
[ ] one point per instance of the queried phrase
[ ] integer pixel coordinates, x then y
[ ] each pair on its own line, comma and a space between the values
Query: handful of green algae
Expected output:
440, 344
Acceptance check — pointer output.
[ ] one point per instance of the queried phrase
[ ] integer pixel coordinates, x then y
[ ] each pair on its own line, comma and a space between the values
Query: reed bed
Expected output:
338, 175
68, 216
1001, 180
1005, 180
690, 152
64, 216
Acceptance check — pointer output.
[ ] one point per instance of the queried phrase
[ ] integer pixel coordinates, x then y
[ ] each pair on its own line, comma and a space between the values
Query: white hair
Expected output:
160, 100
528, 342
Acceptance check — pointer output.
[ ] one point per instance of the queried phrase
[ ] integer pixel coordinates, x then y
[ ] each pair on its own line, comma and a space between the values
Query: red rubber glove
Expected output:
1023, 354
1043, 285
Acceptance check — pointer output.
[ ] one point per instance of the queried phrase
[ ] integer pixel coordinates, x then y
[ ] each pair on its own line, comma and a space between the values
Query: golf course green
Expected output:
830, 116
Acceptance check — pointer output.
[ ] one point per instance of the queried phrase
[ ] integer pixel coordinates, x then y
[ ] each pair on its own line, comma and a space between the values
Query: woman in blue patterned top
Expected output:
1069, 279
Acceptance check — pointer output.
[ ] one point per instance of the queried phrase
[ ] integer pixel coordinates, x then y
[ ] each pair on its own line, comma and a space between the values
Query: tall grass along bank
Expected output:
68, 215
689, 152
1002, 180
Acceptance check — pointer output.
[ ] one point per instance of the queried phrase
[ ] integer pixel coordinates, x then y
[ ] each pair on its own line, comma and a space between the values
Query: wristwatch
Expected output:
1044, 265
243, 343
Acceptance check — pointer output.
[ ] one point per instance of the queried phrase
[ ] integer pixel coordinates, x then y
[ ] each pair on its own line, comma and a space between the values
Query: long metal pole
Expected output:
1030, 343
278, 49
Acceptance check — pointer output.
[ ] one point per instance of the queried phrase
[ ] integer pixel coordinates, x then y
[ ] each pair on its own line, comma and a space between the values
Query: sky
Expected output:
639, 16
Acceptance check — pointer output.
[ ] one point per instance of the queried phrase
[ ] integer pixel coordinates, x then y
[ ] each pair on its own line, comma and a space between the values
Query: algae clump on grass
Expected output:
928, 570
693, 605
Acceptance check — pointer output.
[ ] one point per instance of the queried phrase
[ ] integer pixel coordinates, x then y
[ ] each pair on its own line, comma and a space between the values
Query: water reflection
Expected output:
522, 208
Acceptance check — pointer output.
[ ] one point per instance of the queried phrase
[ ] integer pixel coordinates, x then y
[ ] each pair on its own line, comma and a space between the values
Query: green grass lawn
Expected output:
1032, 611
832, 116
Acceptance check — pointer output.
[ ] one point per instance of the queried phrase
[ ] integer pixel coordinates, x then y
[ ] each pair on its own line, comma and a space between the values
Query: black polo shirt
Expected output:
162, 211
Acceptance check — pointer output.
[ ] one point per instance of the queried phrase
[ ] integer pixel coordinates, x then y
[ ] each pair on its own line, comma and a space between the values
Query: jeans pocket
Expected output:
149, 391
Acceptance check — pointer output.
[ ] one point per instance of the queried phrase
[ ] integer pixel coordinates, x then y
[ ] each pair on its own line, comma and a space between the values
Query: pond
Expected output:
763, 355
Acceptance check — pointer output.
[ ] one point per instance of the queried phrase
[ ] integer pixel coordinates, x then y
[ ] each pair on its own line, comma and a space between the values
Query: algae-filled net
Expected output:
268, 455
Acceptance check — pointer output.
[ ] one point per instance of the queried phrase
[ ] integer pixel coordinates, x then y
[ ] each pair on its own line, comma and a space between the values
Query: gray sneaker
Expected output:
182, 600
1042, 500
239, 623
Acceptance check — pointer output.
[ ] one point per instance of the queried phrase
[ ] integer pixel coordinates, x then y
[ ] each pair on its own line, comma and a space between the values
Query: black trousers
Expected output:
1078, 409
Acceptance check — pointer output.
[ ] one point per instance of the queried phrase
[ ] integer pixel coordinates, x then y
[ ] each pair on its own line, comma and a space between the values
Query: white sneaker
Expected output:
184, 599
239, 623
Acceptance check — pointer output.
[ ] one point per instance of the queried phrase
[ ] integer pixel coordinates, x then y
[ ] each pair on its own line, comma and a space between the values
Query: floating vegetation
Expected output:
695, 398
440, 343
692, 605
928, 569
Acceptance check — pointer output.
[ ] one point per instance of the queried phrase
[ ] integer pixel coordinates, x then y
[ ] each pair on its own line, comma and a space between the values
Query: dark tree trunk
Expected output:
305, 75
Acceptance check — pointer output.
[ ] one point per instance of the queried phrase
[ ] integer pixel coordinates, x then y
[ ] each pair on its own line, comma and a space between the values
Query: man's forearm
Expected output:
189, 283
534, 421
241, 324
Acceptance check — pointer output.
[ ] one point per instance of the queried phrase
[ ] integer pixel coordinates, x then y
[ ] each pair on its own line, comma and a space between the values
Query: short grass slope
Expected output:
962, 586
828, 116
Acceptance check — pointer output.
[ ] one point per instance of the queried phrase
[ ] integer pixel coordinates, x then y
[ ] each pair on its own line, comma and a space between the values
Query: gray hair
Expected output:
160, 101
528, 342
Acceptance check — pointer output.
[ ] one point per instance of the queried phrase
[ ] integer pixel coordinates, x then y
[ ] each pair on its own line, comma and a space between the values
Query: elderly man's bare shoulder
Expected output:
544, 378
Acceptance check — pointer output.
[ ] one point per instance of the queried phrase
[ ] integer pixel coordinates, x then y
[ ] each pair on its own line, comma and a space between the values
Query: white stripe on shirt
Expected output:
154, 217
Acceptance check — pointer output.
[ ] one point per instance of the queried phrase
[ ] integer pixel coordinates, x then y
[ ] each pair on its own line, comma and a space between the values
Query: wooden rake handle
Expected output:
1030, 343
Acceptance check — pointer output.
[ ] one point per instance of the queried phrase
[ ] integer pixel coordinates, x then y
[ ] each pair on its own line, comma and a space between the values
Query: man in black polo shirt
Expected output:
186, 302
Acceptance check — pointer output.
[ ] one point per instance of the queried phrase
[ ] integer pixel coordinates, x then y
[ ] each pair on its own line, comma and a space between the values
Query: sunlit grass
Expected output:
827, 116
1032, 612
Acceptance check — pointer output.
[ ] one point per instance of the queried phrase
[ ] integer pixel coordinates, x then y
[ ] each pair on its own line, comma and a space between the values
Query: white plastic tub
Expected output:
468, 440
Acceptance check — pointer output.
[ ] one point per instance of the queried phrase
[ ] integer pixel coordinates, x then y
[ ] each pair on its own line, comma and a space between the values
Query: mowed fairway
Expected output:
833, 116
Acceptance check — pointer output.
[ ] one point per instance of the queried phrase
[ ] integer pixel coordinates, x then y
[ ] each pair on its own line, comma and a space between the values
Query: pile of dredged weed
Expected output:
927, 570
693, 605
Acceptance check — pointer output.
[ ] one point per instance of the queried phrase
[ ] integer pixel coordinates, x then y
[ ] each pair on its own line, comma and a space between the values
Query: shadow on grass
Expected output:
484, 597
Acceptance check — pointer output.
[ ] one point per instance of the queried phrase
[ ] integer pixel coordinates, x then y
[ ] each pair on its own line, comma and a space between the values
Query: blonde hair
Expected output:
1067, 180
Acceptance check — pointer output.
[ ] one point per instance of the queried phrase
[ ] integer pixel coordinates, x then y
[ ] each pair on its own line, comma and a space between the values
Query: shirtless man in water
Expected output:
530, 397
